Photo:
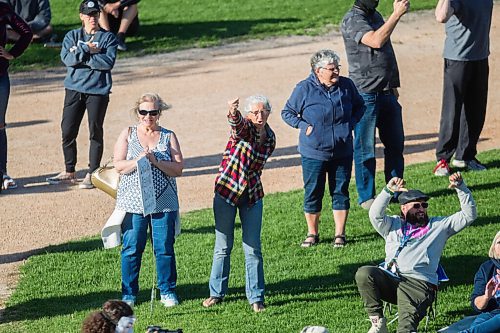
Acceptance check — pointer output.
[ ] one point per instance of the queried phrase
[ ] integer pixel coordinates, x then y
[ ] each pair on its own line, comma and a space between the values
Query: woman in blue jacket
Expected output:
486, 295
325, 107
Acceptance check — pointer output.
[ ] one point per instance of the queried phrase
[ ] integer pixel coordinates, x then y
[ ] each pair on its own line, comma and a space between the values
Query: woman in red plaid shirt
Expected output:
238, 187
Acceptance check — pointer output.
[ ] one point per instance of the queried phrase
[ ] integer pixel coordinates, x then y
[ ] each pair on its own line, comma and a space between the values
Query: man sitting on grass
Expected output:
121, 18
413, 246
37, 14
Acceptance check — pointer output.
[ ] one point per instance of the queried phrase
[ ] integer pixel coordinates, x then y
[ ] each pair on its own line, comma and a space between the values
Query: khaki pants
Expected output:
412, 296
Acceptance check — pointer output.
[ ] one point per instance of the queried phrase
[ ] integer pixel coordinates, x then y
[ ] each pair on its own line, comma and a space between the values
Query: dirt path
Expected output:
198, 83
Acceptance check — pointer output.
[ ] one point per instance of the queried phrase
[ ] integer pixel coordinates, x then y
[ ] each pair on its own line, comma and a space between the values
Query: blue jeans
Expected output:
488, 322
135, 232
251, 225
314, 175
383, 112
4, 101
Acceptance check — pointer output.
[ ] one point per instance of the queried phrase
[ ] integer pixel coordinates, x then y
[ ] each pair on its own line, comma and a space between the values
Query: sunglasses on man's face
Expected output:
152, 113
418, 204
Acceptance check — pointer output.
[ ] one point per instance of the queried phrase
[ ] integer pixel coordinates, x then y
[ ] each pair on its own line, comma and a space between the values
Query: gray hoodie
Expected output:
420, 257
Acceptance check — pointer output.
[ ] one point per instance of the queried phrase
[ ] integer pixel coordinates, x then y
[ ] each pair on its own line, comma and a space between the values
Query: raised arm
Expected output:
443, 11
468, 211
378, 217
377, 38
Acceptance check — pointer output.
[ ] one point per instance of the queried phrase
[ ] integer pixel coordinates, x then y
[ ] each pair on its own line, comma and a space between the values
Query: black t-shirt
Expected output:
372, 70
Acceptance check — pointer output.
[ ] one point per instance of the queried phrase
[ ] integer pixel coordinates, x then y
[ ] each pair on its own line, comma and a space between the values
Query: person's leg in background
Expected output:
251, 226
391, 133
4, 101
488, 322
97, 106
364, 151
339, 175
474, 112
314, 177
134, 231
449, 125
163, 235
224, 215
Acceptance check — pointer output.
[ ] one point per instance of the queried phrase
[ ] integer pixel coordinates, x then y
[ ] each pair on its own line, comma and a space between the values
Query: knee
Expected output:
364, 274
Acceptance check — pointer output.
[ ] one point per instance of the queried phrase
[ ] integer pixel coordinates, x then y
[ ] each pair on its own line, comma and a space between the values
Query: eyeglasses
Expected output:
263, 112
334, 69
152, 113
418, 204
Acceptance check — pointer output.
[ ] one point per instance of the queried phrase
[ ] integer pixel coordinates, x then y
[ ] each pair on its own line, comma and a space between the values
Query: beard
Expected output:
417, 219
368, 6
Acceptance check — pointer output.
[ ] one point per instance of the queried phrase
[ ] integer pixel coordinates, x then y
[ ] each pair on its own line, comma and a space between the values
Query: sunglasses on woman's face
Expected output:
152, 113
418, 204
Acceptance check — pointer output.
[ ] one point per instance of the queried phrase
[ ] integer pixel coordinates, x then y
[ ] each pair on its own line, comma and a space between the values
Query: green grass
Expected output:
168, 25
60, 286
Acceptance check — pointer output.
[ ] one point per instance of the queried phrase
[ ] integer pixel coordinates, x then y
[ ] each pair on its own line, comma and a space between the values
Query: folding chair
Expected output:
432, 310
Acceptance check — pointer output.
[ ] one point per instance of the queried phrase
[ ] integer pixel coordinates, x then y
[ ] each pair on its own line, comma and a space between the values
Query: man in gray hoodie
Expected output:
414, 244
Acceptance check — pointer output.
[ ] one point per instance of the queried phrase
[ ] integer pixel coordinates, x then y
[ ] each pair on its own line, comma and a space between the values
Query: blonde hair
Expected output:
492, 252
150, 97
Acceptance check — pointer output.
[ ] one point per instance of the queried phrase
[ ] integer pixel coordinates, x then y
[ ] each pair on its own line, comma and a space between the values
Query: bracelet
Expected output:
388, 190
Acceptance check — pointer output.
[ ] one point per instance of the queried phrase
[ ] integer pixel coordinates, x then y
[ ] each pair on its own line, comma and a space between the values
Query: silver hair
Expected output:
323, 58
256, 99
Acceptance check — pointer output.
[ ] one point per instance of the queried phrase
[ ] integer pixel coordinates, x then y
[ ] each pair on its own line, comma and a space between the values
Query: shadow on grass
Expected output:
85, 245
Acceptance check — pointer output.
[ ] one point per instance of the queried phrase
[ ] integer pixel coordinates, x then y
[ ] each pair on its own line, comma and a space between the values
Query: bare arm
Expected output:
122, 165
174, 167
443, 11
377, 38
481, 302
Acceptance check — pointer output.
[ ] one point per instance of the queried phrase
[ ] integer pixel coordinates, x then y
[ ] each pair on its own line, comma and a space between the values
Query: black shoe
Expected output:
121, 42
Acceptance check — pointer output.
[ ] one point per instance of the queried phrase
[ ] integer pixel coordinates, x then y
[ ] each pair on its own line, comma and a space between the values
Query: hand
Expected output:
233, 105
112, 9
401, 7
150, 156
93, 49
491, 289
309, 130
455, 180
397, 185
5, 54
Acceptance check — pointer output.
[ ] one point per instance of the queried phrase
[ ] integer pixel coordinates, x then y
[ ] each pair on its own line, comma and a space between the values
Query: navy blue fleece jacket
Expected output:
332, 112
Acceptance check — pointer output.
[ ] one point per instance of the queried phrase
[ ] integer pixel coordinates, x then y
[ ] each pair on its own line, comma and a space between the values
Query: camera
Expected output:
158, 329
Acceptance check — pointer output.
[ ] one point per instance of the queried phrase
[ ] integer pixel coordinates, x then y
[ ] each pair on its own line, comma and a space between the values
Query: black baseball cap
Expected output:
412, 195
89, 7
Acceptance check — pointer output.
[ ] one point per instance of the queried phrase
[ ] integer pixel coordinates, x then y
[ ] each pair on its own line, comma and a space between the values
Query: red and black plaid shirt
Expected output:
243, 161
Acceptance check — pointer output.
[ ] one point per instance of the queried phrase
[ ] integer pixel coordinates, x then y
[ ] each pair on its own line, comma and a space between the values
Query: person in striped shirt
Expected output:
238, 187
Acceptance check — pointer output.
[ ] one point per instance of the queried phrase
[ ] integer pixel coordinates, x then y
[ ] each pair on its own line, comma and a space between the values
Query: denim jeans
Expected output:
383, 112
314, 174
4, 101
251, 225
135, 232
488, 322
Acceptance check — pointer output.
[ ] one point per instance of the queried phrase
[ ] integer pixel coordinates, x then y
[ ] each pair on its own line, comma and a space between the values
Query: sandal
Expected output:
339, 241
258, 307
8, 183
62, 178
313, 240
211, 301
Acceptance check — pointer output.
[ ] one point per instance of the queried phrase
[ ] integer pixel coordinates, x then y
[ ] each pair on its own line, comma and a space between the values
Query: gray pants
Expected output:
412, 296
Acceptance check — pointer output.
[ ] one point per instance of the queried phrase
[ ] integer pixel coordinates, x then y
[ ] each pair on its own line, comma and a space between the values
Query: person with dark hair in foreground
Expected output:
414, 243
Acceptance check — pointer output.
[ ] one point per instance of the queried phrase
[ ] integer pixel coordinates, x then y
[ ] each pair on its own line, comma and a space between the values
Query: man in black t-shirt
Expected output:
374, 70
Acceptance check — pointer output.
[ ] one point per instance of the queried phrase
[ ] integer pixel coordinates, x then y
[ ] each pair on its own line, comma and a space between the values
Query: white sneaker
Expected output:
442, 169
461, 164
367, 204
169, 300
474, 165
379, 325
86, 183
